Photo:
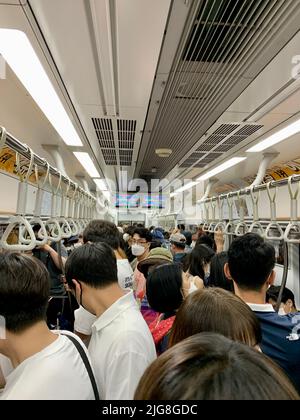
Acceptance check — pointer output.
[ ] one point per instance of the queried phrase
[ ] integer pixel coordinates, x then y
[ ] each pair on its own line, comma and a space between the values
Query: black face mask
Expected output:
80, 298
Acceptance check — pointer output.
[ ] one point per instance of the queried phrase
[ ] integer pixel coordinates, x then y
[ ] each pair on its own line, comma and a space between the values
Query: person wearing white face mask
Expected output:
140, 248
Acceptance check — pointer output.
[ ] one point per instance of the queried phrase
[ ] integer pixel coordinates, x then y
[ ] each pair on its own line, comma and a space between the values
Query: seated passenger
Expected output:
211, 367
217, 311
217, 276
46, 365
288, 304
121, 346
167, 286
251, 262
178, 244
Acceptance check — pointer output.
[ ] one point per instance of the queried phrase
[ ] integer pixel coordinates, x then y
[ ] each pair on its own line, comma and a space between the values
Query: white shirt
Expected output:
84, 319
121, 349
55, 373
125, 274
261, 307
5, 365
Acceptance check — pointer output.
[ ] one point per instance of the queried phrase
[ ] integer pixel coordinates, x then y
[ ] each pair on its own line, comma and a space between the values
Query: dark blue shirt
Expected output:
278, 343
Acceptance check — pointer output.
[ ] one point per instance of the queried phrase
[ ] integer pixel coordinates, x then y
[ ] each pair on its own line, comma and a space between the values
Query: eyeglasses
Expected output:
138, 242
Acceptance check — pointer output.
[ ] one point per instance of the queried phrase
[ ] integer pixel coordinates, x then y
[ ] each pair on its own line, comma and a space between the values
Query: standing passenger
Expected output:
251, 262
47, 366
121, 346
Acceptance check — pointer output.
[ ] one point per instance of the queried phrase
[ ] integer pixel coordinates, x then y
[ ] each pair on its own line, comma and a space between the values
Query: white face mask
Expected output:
126, 237
193, 288
281, 312
137, 250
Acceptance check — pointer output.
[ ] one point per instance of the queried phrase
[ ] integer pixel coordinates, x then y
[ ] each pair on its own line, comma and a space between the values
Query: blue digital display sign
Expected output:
140, 200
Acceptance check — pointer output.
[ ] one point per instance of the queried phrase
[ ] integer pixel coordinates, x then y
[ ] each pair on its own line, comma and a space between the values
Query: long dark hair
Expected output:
217, 276
197, 259
164, 286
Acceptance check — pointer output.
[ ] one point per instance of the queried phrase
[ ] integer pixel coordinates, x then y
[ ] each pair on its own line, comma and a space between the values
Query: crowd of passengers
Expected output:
159, 316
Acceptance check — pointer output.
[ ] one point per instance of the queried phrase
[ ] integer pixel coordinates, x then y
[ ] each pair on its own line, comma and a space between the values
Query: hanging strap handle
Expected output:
229, 229
213, 205
294, 226
54, 234
256, 226
273, 226
19, 221
241, 228
220, 226
36, 220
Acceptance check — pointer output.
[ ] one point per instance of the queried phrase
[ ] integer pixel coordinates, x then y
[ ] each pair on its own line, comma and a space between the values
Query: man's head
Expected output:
178, 243
141, 242
288, 304
24, 291
251, 262
91, 267
102, 231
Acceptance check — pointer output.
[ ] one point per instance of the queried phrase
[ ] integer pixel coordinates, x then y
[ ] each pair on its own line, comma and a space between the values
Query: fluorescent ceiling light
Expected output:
186, 187
226, 165
281, 135
101, 184
87, 163
21, 57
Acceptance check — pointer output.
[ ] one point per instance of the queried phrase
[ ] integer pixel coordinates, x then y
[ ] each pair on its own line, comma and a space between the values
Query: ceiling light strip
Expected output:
221, 168
276, 138
87, 163
18, 52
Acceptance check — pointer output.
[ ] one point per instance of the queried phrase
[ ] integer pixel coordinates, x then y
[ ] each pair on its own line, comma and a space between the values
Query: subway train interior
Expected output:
176, 116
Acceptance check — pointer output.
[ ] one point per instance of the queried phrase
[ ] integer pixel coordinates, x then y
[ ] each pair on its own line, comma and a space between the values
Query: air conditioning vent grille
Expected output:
126, 157
110, 157
104, 131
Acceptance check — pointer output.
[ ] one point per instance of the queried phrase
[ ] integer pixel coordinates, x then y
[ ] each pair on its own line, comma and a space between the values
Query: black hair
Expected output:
217, 276
188, 237
164, 286
143, 233
251, 261
206, 240
102, 231
181, 227
93, 264
197, 259
24, 291
273, 293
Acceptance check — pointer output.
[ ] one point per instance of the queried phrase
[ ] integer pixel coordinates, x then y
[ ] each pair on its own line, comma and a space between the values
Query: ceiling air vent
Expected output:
225, 138
219, 26
104, 132
126, 133
110, 157
126, 157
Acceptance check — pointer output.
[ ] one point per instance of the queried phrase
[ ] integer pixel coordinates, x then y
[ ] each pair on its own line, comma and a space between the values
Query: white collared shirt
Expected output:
55, 373
121, 349
84, 319
260, 307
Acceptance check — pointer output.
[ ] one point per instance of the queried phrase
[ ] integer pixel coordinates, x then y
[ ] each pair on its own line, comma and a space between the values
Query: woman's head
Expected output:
211, 367
217, 276
164, 288
217, 311
199, 261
